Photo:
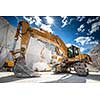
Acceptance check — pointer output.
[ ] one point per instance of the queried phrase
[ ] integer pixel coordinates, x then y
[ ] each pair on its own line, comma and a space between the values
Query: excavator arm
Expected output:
26, 32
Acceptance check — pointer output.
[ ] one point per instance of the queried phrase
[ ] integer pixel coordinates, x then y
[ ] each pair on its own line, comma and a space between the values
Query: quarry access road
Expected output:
49, 77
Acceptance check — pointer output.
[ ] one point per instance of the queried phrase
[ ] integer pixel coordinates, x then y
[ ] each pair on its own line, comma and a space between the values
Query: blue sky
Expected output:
81, 31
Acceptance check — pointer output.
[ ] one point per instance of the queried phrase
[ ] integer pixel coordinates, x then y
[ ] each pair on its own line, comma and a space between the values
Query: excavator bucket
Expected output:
21, 70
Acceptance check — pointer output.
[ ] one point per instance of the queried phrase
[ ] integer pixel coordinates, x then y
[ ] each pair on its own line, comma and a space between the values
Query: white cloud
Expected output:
82, 49
80, 18
68, 44
46, 28
64, 21
81, 28
33, 19
38, 22
95, 27
89, 21
70, 21
94, 42
86, 41
29, 19
49, 20
83, 40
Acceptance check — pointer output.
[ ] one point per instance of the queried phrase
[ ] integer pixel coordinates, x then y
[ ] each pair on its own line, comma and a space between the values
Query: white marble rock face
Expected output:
7, 33
95, 55
37, 55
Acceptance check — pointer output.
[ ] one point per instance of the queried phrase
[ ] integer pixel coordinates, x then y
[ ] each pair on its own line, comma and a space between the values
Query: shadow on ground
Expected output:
94, 77
9, 79
72, 79
76, 79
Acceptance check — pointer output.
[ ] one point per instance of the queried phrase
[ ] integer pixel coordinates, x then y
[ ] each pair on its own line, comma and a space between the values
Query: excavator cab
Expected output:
73, 51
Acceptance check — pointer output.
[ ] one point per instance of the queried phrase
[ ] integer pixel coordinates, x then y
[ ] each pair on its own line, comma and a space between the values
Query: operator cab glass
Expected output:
70, 53
73, 51
76, 51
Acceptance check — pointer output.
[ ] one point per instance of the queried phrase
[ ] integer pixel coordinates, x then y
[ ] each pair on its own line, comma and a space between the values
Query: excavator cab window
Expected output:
73, 51
70, 53
76, 52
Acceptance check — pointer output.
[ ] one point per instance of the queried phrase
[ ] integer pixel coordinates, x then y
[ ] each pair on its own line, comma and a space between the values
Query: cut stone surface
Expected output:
38, 55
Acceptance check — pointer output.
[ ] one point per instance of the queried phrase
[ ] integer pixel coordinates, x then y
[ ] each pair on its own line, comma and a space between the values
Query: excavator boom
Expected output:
26, 32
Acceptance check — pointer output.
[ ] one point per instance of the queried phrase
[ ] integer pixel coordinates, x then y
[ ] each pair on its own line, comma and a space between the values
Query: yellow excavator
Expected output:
71, 56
